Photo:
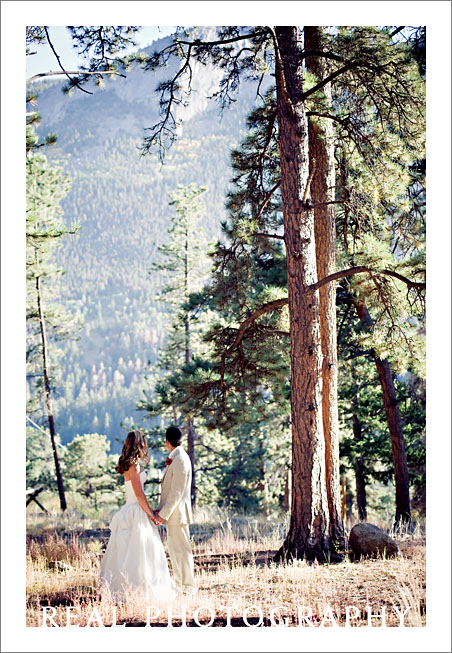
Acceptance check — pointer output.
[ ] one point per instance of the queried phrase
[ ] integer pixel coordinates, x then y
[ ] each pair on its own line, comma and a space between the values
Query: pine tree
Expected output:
44, 227
90, 469
183, 262
99, 45
370, 69
322, 189
365, 446
375, 76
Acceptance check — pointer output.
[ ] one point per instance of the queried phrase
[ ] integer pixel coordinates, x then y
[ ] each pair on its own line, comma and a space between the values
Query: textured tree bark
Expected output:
394, 420
262, 484
48, 396
287, 491
191, 454
403, 510
344, 497
189, 422
321, 160
360, 478
308, 534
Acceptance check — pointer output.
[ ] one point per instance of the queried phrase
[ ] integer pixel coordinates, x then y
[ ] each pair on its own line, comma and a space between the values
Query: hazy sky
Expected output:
44, 60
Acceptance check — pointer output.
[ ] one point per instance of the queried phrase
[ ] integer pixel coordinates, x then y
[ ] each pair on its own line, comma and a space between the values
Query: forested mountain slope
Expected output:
120, 200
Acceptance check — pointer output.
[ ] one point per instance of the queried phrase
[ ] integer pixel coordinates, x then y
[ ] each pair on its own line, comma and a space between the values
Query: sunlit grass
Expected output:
232, 569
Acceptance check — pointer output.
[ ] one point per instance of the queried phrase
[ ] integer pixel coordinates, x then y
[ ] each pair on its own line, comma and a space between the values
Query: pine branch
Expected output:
330, 78
76, 72
234, 39
358, 354
165, 130
168, 117
61, 65
323, 54
267, 199
266, 145
262, 235
271, 306
273, 332
362, 268
356, 135
396, 31
266, 308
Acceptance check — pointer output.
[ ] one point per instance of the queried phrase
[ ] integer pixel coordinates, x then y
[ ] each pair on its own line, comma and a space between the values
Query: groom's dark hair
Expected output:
174, 436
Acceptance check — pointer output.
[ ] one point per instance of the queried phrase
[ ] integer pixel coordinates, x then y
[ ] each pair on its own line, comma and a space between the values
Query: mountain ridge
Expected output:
121, 200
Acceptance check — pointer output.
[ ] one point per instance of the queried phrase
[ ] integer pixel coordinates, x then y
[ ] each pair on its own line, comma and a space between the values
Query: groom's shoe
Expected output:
190, 591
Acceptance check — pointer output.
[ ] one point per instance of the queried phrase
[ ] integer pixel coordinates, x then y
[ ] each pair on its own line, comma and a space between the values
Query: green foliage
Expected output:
107, 265
90, 470
365, 440
378, 114
46, 187
235, 465
32, 139
244, 468
378, 143
40, 466
360, 398
183, 262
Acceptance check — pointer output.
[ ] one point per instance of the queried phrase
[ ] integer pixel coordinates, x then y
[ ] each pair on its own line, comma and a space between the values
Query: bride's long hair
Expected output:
135, 448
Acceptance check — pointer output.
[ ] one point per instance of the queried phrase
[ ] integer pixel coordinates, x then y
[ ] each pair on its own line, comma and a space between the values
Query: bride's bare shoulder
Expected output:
134, 470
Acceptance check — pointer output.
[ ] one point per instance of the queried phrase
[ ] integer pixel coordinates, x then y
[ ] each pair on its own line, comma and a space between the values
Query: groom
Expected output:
174, 510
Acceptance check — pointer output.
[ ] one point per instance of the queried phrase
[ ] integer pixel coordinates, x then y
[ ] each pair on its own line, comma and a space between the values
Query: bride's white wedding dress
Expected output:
135, 557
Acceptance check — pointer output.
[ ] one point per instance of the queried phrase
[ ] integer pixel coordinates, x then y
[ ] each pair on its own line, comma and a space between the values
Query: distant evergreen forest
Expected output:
120, 200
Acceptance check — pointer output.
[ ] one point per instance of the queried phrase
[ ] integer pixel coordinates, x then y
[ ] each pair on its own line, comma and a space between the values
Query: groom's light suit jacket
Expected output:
175, 500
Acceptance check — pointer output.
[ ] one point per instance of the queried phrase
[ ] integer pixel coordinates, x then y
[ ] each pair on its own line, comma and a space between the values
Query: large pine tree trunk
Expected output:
191, 454
321, 160
189, 422
394, 420
48, 395
309, 525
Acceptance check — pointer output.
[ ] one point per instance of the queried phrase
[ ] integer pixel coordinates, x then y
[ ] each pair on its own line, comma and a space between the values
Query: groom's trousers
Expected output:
181, 555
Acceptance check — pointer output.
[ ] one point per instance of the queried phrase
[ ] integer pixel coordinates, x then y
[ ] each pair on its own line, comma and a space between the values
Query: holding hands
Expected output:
155, 518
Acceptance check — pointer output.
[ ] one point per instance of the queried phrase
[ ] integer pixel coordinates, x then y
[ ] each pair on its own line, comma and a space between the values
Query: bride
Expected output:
135, 558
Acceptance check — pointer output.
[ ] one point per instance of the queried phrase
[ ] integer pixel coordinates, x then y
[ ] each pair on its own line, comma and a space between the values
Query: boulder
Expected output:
369, 540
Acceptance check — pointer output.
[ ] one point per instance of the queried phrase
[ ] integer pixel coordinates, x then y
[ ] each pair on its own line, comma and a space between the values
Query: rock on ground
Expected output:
369, 540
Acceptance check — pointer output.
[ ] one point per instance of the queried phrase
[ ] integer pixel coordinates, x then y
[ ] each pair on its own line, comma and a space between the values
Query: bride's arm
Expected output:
140, 495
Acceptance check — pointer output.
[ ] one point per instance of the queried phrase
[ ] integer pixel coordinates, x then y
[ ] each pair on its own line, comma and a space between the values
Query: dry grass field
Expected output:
239, 585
